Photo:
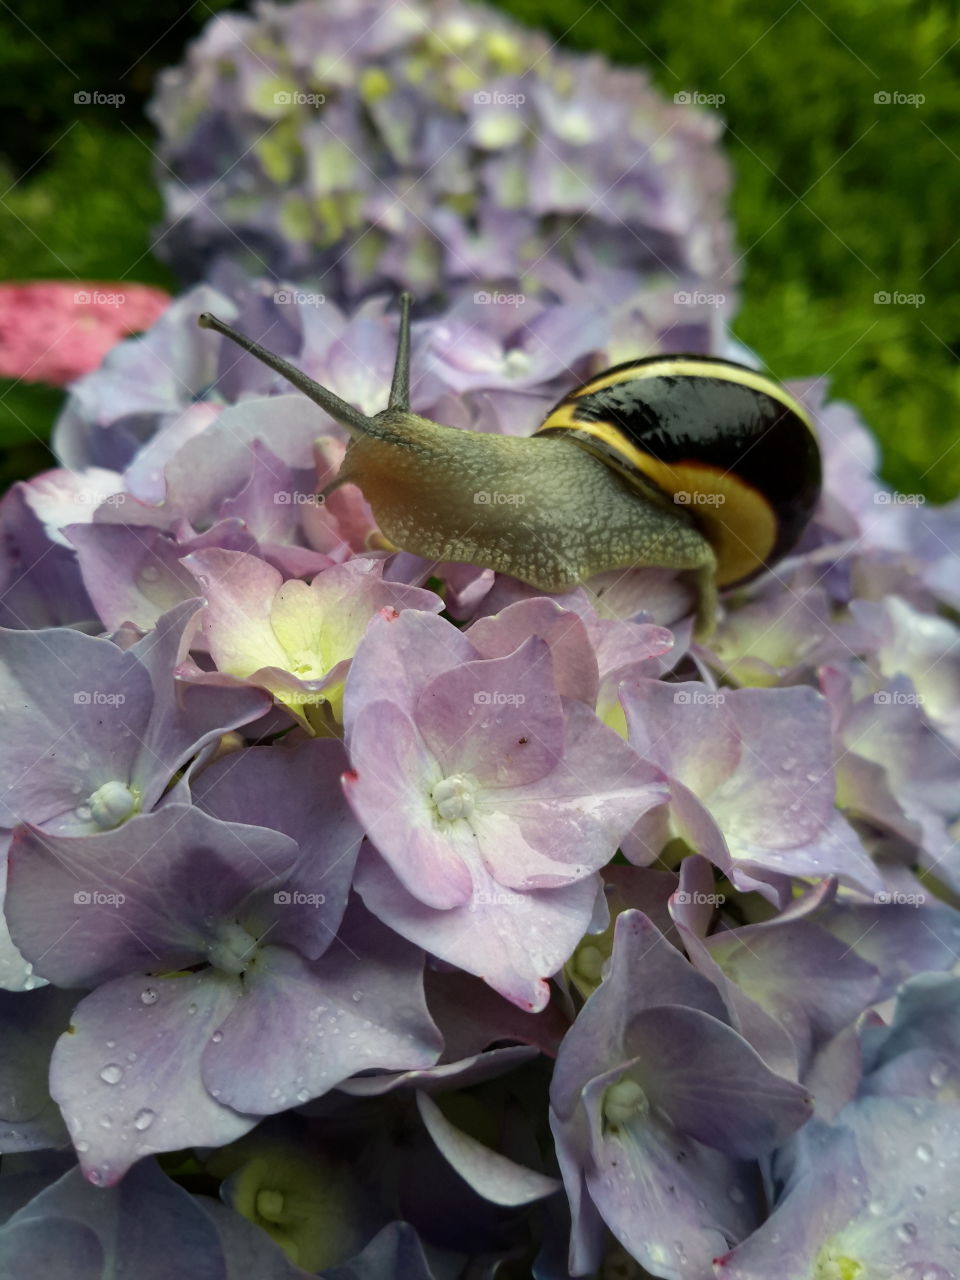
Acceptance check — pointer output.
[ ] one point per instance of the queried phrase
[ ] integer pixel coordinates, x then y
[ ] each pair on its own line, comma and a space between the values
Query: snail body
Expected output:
679, 462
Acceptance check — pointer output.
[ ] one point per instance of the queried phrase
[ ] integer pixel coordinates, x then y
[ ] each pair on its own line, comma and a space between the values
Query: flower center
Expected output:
270, 1204
454, 797
622, 1101
233, 948
112, 804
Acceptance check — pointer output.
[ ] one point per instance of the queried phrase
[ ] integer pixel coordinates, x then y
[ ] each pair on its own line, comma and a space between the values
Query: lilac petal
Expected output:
394, 1251
127, 1074
782, 793
835, 851
389, 789
687, 729
40, 582
215, 464
657, 1189
185, 718
397, 657
513, 941
498, 720
296, 791
574, 663
712, 1085
301, 1028
492, 1175
136, 575
51, 1246
826, 1189
645, 970
469, 1071
147, 1227
75, 708
570, 822
810, 982
16, 974
145, 896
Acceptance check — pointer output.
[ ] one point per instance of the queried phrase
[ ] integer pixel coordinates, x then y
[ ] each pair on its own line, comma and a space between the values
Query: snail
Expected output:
678, 461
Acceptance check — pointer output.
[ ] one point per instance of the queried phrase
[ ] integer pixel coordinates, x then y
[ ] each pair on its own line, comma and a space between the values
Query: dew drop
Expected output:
83, 1145
303, 1095
924, 1152
144, 1119
357, 997
83, 812
111, 1073
906, 1232
789, 763
149, 995
106, 1122
954, 1218
217, 1037
191, 1008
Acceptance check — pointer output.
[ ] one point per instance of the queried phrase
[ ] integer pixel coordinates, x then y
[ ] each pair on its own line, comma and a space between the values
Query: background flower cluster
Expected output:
372, 917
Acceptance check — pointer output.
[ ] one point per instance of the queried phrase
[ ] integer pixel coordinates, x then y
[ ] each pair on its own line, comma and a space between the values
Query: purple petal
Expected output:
127, 1073
146, 896
301, 1028
490, 1174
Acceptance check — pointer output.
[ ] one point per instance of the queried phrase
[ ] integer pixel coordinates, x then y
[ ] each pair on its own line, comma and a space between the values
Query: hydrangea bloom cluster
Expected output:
355, 144
370, 917
54, 331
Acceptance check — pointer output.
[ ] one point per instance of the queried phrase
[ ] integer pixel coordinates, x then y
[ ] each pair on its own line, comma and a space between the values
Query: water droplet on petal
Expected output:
906, 1232
149, 995
357, 997
217, 1037
924, 1152
144, 1119
111, 1073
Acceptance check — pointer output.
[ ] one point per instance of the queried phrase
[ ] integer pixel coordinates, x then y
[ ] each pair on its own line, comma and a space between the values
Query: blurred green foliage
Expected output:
838, 197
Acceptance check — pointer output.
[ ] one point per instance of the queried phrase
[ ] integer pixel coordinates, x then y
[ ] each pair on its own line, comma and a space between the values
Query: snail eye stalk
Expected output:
400, 387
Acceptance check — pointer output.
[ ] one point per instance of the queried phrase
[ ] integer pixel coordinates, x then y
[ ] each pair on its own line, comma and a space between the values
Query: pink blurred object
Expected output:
55, 330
